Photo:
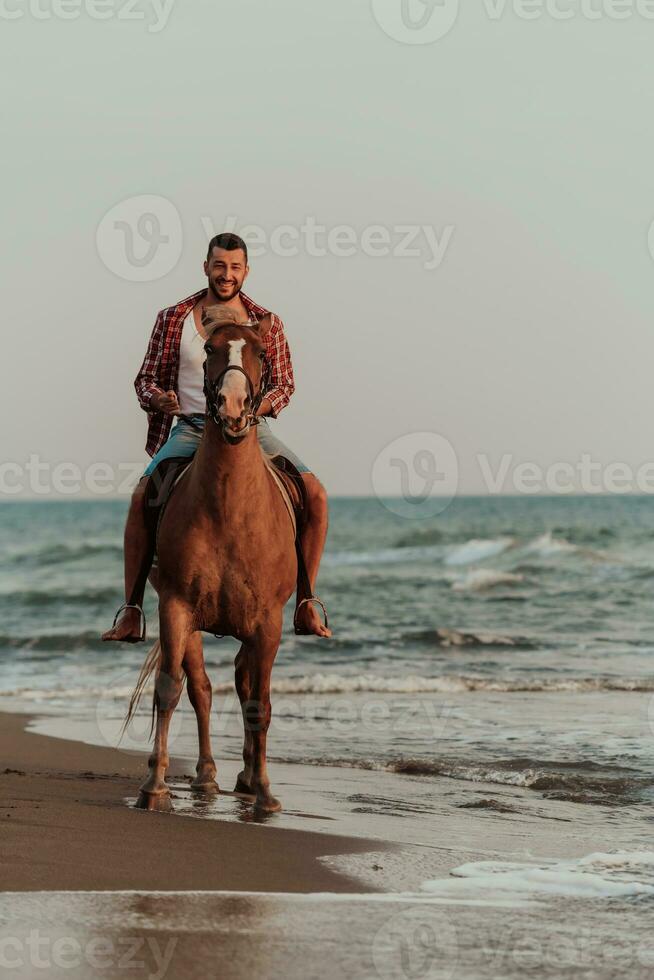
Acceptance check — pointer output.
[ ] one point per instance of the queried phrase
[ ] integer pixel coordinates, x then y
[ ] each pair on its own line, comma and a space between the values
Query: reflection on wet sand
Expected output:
210, 803
194, 936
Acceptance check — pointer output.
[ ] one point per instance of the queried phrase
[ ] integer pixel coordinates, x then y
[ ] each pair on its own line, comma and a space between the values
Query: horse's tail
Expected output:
150, 664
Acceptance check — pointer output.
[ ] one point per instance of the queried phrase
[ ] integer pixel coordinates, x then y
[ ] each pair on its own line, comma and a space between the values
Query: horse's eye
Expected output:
262, 355
208, 349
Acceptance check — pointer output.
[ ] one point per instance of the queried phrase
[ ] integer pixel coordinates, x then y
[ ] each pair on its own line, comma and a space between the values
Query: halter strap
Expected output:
211, 392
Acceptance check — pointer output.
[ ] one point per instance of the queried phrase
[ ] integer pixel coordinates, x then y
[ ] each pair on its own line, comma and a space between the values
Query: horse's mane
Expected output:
217, 316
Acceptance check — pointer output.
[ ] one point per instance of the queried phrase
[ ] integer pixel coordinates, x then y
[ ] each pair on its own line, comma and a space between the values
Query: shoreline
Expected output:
341, 830
66, 827
90, 887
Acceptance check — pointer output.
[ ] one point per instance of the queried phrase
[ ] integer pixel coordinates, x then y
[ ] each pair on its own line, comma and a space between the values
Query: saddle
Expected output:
167, 476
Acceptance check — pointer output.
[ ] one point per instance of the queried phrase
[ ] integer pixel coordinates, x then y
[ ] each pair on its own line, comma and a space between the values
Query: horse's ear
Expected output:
264, 325
206, 319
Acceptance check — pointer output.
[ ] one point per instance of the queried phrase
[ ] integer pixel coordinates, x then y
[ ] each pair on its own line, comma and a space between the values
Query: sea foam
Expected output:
619, 875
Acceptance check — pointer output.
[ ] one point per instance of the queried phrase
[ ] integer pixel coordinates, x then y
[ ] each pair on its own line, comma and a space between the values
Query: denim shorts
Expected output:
184, 441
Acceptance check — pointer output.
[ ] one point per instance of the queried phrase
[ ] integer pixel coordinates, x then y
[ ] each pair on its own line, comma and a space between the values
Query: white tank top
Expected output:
190, 393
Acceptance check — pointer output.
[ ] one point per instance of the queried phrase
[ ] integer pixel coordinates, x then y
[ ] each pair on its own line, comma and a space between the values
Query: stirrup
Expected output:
142, 623
312, 598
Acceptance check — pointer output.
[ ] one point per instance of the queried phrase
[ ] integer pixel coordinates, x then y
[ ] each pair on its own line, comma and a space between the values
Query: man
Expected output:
170, 383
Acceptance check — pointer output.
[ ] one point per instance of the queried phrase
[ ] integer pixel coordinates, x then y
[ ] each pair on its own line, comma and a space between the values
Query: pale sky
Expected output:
523, 146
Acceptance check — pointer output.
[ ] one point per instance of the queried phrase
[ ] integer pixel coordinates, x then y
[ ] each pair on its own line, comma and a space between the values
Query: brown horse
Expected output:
226, 565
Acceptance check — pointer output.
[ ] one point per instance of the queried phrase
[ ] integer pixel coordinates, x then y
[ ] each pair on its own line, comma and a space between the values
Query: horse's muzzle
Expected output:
234, 430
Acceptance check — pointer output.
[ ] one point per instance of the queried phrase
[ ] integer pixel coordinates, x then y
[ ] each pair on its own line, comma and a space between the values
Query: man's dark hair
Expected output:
229, 242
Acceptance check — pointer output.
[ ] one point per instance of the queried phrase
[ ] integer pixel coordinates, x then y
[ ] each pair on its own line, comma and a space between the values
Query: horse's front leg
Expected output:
242, 681
257, 713
200, 696
174, 630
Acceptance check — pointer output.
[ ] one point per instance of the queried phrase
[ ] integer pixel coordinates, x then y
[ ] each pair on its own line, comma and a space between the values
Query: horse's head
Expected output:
235, 375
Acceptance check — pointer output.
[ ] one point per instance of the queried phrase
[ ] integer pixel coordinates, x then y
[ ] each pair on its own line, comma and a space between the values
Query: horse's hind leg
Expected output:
174, 629
242, 681
200, 695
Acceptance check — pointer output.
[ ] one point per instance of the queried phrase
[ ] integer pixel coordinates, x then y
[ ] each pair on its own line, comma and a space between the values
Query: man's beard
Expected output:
222, 297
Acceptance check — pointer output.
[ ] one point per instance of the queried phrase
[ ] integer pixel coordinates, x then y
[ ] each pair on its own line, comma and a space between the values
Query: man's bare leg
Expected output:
313, 542
136, 544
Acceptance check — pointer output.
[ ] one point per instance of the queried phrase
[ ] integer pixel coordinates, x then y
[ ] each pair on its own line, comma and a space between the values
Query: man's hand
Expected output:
166, 402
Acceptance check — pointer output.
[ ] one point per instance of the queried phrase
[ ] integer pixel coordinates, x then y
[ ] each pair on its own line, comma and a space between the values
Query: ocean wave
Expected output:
61, 553
484, 579
52, 642
450, 684
423, 538
78, 693
321, 684
443, 637
459, 638
383, 556
453, 537
548, 546
439, 546
447, 684
60, 596
578, 534
589, 783
621, 874
478, 549
596, 784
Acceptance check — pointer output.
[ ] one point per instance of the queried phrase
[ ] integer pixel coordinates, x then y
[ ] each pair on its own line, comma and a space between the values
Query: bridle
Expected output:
212, 392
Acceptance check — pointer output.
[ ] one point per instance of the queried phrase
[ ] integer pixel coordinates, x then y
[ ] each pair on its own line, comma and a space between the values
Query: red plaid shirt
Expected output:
160, 369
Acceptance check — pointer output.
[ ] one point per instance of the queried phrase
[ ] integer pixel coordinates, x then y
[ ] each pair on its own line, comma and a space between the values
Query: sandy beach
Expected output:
65, 826
459, 880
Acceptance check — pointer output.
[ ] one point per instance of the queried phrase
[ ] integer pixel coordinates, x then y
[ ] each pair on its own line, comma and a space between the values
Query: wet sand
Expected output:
65, 826
237, 936
91, 888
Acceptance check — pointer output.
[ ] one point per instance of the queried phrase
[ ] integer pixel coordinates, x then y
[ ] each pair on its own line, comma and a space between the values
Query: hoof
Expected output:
205, 786
267, 804
205, 778
159, 802
243, 787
